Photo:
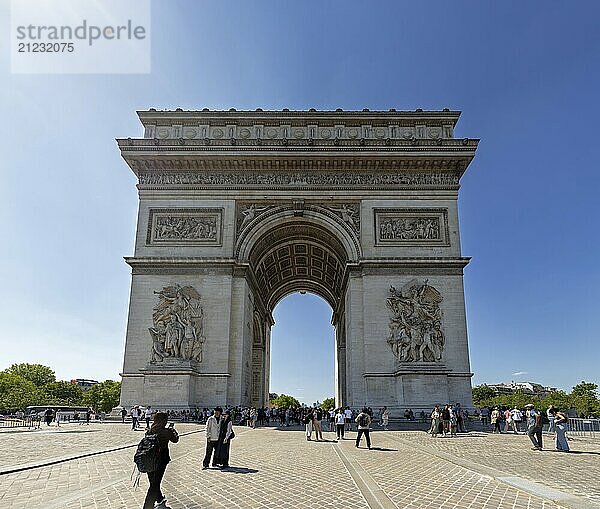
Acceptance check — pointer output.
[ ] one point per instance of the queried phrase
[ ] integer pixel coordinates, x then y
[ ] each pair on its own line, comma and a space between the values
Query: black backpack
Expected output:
147, 455
544, 418
363, 420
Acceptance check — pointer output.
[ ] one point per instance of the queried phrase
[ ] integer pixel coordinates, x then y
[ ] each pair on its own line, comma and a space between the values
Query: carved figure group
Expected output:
177, 330
409, 228
415, 329
186, 228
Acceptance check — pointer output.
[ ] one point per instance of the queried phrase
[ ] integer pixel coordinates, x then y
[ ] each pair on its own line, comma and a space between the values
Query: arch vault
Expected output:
239, 209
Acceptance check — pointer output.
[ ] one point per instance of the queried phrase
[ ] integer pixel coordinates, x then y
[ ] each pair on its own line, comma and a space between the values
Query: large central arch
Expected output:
287, 252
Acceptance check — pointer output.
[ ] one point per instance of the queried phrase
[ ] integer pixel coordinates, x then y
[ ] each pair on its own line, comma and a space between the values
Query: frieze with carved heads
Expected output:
184, 226
411, 226
177, 330
415, 327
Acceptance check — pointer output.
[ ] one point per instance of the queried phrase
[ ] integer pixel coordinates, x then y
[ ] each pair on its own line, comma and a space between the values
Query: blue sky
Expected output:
525, 74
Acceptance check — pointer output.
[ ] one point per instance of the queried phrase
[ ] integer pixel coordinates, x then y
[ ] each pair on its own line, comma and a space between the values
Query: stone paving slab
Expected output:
576, 473
47, 443
281, 469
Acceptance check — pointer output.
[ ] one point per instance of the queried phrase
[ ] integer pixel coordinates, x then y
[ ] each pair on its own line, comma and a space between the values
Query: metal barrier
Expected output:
584, 427
25, 422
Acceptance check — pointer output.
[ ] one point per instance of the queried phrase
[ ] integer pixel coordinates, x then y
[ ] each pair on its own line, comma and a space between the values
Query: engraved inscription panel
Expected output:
411, 227
185, 226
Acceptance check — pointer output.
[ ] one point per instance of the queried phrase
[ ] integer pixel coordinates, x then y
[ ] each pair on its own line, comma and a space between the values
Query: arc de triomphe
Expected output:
240, 208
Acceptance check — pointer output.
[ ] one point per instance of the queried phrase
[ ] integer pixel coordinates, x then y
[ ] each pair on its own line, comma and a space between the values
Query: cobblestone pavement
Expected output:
576, 473
281, 469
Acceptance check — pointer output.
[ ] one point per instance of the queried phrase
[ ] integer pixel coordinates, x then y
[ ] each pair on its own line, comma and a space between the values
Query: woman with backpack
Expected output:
164, 435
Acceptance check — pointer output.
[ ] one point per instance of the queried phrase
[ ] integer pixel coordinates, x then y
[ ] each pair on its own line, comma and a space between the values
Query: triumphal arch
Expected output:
238, 209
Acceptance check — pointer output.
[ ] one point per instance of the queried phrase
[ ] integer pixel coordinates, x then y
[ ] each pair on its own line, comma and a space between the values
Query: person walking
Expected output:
485, 415
48, 416
560, 420
348, 416
534, 427
148, 416
436, 420
317, 416
460, 418
516, 416
123, 415
446, 419
308, 423
550, 415
213, 430
363, 423
332, 420
495, 420
340, 424
134, 417
385, 418
165, 435
226, 434
507, 420
453, 422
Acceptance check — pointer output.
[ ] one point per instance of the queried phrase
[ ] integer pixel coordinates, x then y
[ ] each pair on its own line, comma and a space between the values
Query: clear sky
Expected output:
525, 74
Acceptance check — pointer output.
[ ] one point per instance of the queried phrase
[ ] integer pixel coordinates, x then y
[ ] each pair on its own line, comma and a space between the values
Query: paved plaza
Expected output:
279, 468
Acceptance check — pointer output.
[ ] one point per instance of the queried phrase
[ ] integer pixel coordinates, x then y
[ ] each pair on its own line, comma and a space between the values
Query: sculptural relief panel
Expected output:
177, 330
185, 226
415, 328
411, 227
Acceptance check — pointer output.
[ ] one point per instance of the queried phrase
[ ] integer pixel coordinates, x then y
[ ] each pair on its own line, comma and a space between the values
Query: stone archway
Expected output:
292, 254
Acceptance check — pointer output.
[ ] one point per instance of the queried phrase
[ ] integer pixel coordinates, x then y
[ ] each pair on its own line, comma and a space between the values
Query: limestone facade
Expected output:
238, 209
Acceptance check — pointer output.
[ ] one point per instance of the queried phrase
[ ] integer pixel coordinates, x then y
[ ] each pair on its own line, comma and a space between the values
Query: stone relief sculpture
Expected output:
185, 228
410, 228
249, 212
350, 214
415, 328
177, 330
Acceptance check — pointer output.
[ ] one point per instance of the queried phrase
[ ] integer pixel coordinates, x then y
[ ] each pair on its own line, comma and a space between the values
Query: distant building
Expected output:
84, 384
531, 388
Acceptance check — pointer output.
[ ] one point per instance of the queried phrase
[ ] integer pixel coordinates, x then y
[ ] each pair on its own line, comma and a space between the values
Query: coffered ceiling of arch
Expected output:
299, 257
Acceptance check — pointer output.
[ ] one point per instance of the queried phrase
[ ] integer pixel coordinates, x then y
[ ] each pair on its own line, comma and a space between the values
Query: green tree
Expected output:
584, 398
481, 394
328, 404
16, 392
63, 393
38, 374
103, 397
284, 401
559, 399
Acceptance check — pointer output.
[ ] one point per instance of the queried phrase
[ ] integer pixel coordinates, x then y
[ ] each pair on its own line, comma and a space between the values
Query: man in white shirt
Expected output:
213, 427
348, 416
148, 416
517, 417
340, 423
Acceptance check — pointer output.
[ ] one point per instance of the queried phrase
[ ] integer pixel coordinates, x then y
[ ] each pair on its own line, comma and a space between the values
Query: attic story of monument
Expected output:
238, 209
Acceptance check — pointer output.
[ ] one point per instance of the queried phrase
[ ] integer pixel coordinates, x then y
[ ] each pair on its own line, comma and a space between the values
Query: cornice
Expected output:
152, 115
